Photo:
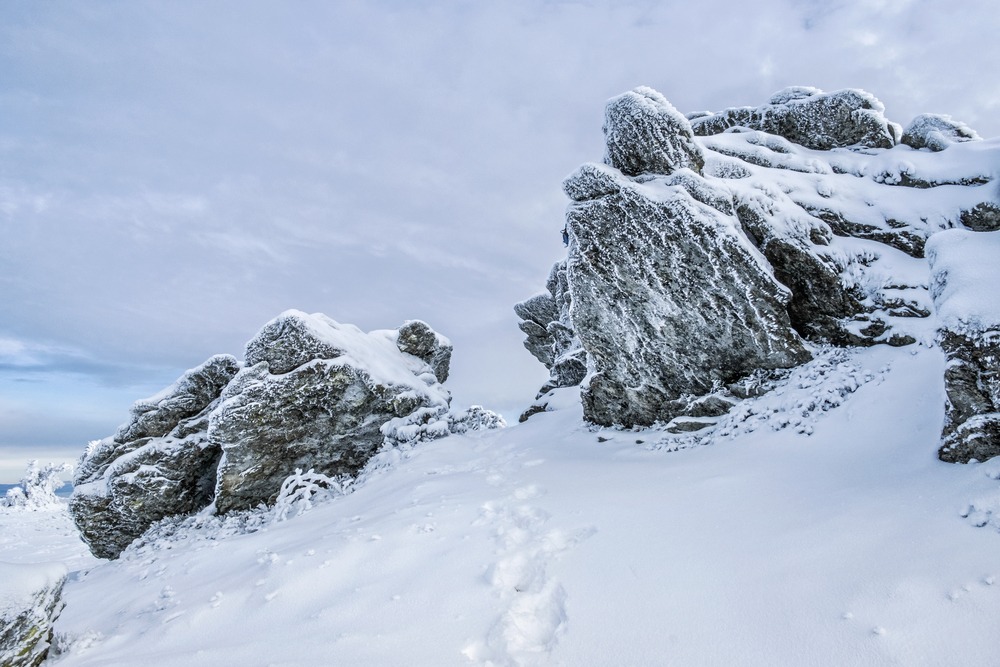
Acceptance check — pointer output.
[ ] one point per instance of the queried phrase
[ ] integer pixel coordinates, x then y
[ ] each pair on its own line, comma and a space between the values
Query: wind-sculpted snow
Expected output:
811, 118
314, 395
669, 298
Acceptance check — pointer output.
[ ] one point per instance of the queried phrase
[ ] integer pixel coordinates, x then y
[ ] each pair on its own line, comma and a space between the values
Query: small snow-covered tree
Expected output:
300, 490
37, 488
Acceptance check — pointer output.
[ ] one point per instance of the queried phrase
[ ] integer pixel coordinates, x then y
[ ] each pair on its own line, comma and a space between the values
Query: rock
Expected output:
972, 413
326, 414
963, 266
668, 298
811, 118
30, 601
819, 302
317, 395
417, 338
936, 132
645, 134
983, 217
159, 464
551, 339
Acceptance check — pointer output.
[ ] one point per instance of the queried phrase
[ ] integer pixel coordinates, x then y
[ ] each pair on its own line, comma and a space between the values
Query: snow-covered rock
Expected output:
669, 297
159, 463
326, 406
842, 234
314, 395
29, 604
811, 118
936, 132
644, 133
965, 272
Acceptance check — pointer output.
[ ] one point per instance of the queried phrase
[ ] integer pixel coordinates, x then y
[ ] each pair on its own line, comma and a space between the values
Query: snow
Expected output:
966, 273
836, 538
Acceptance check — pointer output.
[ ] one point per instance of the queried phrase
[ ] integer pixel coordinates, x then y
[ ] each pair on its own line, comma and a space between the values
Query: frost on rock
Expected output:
669, 298
645, 134
550, 336
159, 463
839, 235
936, 132
965, 272
314, 395
811, 118
30, 601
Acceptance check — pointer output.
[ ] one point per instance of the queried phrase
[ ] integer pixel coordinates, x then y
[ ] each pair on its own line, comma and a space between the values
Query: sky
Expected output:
175, 174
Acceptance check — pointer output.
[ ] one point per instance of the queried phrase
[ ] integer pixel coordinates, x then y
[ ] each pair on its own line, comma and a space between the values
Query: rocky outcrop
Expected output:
710, 246
30, 601
964, 267
313, 394
811, 118
669, 298
160, 463
936, 132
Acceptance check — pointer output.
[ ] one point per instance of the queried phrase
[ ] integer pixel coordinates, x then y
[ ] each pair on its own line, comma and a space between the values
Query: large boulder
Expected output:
811, 118
314, 394
30, 601
324, 413
669, 297
160, 463
964, 272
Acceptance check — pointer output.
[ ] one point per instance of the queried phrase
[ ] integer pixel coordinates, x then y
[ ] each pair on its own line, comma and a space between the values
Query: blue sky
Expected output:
175, 174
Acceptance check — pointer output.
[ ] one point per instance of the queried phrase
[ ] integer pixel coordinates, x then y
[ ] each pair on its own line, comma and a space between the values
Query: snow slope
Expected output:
818, 528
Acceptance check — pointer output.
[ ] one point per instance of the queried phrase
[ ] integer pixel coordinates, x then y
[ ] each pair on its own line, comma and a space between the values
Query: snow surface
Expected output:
818, 529
966, 276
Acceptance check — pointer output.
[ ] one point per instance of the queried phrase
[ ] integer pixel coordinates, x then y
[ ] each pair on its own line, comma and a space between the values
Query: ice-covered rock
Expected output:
30, 600
965, 271
936, 132
159, 463
669, 297
811, 118
314, 395
644, 133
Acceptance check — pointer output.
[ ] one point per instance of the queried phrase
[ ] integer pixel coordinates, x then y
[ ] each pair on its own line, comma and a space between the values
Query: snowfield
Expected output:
815, 527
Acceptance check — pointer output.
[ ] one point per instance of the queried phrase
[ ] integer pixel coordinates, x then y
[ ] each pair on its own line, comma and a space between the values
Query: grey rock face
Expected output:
319, 395
668, 297
936, 132
811, 118
26, 615
418, 339
983, 217
645, 134
159, 464
972, 382
550, 335
323, 415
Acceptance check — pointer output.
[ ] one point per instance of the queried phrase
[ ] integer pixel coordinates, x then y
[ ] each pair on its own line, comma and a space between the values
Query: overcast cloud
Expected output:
175, 174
